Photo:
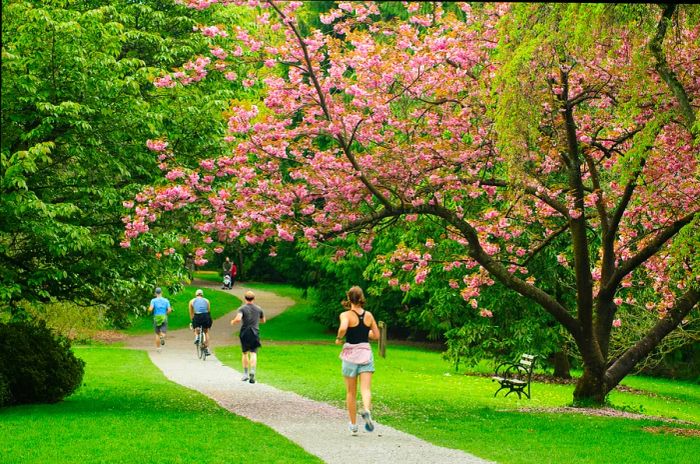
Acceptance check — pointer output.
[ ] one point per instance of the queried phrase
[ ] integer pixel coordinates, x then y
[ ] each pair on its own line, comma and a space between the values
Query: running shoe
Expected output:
367, 417
252, 378
245, 378
353, 428
162, 340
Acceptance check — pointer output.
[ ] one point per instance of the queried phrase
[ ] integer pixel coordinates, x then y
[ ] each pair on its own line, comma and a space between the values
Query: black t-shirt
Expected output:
252, 314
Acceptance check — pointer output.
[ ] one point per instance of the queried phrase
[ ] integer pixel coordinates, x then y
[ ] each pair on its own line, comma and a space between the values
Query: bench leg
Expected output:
513, 390
494, 395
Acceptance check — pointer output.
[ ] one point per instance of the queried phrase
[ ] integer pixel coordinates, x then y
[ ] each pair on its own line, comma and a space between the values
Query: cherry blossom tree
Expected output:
515, 127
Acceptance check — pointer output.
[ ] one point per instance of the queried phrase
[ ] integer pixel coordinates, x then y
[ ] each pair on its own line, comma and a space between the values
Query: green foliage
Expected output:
36, 365
77, 323
78, 104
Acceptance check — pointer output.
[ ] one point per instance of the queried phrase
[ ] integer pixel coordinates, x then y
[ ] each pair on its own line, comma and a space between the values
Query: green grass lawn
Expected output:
297, 323
221, 303
418, 392
210, 276
128, 412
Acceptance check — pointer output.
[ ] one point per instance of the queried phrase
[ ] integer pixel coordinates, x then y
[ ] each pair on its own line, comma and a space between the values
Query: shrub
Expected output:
37, 366
77, 323
4, 391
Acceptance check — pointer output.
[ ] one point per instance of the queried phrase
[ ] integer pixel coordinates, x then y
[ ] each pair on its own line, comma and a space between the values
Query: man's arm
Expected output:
262, 318
191, 309
150, 308
237, 319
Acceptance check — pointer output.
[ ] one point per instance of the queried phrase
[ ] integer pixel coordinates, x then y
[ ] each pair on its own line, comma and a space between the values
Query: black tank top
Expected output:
359, 333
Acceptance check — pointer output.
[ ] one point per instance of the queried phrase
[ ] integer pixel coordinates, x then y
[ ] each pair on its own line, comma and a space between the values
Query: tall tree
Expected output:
78, 104
512, 126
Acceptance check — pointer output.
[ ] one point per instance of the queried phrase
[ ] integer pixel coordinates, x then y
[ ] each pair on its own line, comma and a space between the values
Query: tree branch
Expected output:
624, 364
662, 67
647, 252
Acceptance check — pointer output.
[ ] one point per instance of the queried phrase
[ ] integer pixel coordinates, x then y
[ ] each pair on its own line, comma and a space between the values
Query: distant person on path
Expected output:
226, 266
200, 316
357, 326
251, 315
160, 307
234, 271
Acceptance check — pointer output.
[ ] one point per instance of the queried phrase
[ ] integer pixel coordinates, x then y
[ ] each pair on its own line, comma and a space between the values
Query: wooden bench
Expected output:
515, 376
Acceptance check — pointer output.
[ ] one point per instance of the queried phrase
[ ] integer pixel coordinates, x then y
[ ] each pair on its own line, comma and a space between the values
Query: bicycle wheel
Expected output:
199, 345
203, 346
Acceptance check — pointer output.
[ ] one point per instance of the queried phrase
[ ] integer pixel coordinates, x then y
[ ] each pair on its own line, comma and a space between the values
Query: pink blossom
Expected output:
485, 313
617, 323
574, 213
156, 145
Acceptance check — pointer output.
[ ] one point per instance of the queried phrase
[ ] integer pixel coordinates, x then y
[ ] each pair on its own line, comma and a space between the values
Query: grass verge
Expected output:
296, 323
128, 412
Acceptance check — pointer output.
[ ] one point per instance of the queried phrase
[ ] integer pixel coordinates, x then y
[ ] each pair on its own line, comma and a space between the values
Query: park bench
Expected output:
515, 376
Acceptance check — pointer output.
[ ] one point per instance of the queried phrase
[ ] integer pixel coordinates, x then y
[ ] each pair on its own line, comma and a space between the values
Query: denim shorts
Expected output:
352, 369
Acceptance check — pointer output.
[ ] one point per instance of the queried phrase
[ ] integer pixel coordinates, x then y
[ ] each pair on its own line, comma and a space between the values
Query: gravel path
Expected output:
321, 429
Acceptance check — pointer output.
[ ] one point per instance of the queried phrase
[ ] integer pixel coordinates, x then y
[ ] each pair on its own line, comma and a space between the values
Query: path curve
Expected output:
319, 428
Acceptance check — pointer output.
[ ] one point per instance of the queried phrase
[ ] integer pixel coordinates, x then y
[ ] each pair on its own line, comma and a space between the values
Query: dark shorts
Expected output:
202, 320
250, 341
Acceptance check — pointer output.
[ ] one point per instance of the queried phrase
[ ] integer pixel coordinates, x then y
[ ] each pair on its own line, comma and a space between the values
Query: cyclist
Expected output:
200, 315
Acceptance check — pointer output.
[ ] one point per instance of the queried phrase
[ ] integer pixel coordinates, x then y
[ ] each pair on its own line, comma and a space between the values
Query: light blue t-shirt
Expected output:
200, 305
160, 306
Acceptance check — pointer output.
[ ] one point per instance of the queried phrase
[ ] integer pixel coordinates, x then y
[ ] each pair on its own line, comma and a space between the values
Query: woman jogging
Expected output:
357, 326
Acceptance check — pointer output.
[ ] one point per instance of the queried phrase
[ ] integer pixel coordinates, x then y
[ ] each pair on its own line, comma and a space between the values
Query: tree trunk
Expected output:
591, 389
562, 367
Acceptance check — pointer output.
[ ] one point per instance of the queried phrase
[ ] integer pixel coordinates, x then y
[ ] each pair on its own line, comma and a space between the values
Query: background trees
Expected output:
515, 129
78, 104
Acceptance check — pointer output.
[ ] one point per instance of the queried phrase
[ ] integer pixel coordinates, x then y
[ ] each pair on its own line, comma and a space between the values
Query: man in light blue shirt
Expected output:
160, 307
200, 317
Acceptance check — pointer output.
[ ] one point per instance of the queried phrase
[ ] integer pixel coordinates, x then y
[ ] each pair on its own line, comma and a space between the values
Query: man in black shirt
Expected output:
250, 315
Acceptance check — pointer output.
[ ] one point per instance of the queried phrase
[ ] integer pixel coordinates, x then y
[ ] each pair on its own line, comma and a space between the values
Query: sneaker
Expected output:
207, 352
245, 378
367, 417
158, 350
252, 378
196, 340
353, 428
162, 340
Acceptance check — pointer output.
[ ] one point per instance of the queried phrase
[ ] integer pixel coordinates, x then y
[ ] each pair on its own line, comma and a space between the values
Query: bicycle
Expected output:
200, 343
